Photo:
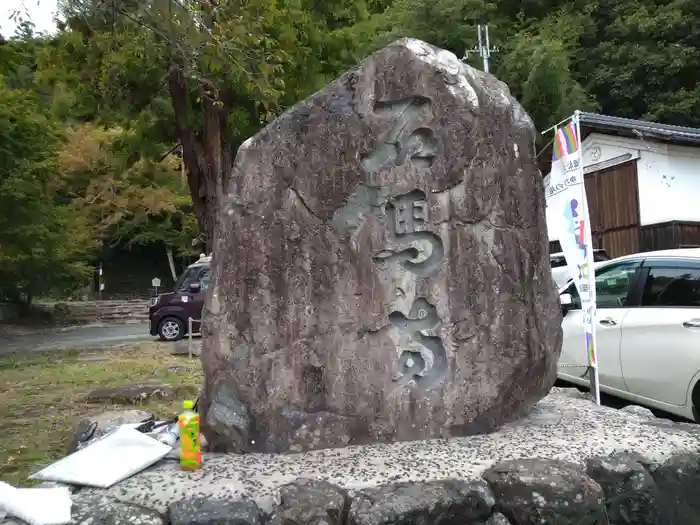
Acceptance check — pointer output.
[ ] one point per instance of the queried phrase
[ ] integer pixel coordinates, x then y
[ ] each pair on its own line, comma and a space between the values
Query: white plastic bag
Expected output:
108, 460
36, 506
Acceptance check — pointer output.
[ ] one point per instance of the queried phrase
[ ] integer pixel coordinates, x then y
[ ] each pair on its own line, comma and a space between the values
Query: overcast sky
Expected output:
41, 12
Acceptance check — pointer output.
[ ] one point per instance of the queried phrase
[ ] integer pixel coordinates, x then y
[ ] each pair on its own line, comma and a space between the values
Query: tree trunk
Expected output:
171, 263
206, 153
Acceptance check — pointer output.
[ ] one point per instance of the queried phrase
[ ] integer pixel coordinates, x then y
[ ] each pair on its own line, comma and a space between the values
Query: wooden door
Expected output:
613, 204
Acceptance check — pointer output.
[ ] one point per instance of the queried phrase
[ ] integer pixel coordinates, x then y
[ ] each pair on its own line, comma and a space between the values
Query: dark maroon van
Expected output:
168, 312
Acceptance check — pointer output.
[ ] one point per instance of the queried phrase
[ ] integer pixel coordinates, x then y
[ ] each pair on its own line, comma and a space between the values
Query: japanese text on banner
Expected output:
565, 193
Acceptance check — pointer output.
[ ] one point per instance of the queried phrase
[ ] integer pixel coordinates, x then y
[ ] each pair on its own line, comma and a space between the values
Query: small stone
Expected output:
631, 496
638, 411
678, 481
572, 392
178, 370
309, 502
205, 511
497, 519
129, 395
536, 491
450, 502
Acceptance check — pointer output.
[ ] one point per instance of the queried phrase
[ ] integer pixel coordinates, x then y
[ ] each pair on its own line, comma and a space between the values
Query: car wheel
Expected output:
171, 329
695, 400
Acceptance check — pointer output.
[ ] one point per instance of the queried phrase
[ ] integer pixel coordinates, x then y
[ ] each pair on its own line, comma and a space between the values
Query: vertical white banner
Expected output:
566, 196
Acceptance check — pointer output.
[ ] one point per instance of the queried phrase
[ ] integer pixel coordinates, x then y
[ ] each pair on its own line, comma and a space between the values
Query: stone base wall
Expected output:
619, 489
569, 462
88, 312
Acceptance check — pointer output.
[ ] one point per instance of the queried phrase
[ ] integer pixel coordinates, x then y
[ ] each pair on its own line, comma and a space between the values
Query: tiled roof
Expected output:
640, 128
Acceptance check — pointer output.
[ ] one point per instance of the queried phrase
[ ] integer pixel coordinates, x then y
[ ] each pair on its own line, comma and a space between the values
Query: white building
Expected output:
642, 183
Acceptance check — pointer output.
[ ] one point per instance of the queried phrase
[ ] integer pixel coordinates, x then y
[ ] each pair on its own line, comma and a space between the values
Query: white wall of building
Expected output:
668, 175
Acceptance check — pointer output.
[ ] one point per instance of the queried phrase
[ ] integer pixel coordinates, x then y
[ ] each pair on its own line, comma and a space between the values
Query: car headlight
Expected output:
153, 301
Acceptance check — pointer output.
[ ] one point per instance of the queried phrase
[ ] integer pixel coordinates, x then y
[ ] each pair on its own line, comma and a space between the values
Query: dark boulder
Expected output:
546, 491
208, 511
308, 502
631, 496
450, 502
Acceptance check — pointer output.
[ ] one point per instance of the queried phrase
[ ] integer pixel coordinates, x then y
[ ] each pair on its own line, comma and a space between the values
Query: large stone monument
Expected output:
381, 269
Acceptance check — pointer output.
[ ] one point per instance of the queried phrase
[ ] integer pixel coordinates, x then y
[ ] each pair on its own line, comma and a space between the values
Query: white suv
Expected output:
648, 330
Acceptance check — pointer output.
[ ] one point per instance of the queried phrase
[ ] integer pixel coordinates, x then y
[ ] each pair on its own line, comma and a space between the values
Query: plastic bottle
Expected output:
169, 436
190, 446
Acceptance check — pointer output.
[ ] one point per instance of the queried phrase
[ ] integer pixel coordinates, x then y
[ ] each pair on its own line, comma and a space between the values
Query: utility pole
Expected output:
483, 48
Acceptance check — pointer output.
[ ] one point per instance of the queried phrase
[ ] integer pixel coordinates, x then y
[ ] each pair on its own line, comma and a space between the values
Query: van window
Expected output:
557, 261
189, 276
204, 279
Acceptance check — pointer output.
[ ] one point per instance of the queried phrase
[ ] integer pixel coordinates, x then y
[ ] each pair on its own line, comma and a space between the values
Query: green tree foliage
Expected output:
537, 46
18, 58
129, 82
202, 74
127, 202
641, 59
44, 244
537, 65
629, 58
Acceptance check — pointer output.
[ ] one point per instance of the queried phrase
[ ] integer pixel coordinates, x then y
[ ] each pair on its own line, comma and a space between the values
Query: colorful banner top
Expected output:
565, 142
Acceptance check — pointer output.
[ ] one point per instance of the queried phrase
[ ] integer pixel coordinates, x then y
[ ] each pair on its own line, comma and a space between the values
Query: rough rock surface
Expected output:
678, 481
89, 509
204, 511
497, 519
546, 491
400, 284
640, 411
310, 502
450, 502
631, 494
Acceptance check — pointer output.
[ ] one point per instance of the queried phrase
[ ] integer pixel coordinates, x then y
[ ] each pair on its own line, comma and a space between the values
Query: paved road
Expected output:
74, 337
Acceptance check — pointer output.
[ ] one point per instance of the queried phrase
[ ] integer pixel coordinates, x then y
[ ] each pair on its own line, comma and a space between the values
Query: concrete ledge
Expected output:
568, 462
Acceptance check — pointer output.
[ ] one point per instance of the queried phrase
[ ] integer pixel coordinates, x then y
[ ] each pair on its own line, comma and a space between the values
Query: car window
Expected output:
679, 287
612, 285
557, 261
188, 277
204, 279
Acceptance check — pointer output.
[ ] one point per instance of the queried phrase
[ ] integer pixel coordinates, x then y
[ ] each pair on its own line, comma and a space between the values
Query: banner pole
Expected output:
554, 128
589, 307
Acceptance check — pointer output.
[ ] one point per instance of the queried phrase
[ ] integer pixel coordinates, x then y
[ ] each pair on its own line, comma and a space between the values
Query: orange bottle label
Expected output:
190, 446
